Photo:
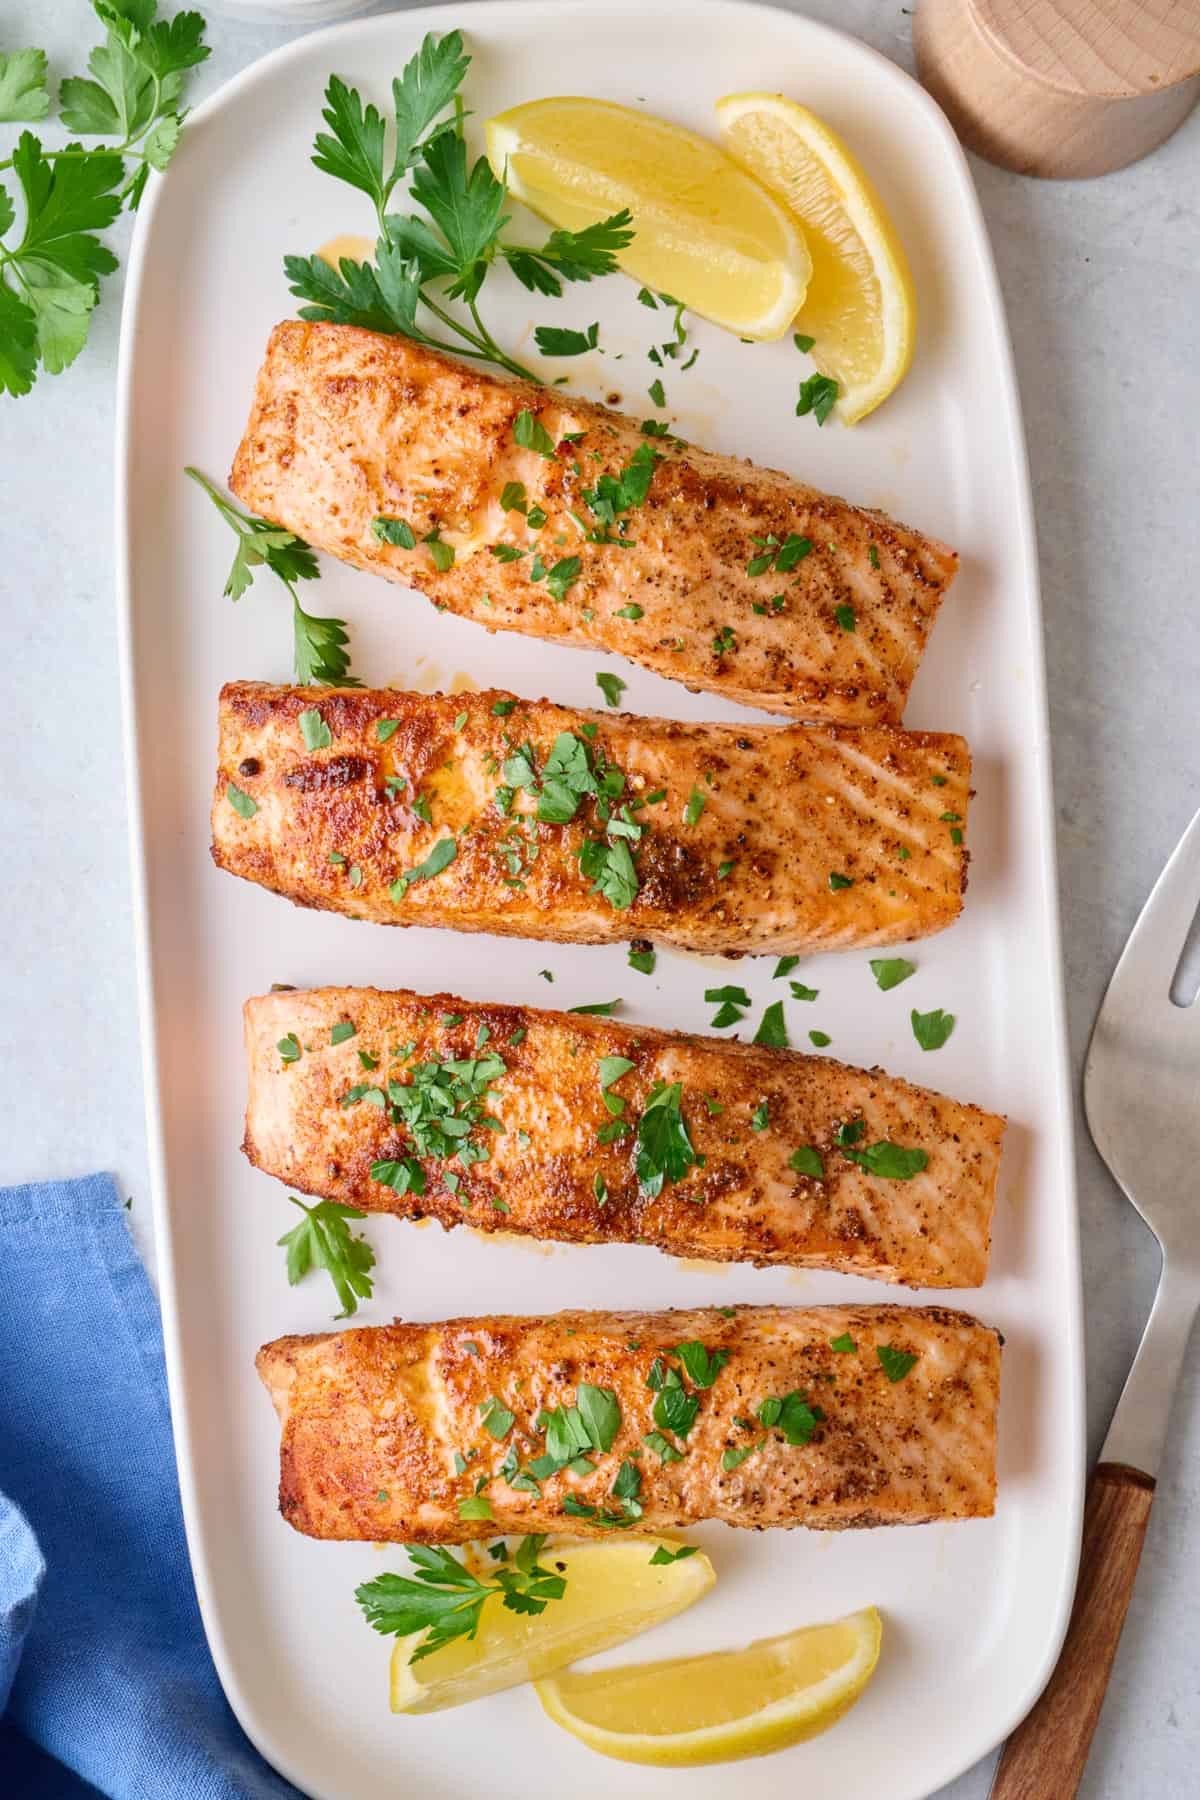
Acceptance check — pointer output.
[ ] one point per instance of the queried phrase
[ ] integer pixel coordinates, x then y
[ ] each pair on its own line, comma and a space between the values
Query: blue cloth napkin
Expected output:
105, 1677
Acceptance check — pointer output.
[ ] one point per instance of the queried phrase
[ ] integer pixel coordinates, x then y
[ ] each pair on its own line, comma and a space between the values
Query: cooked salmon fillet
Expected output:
485, 813
386, 1431
723, 576
556, 1102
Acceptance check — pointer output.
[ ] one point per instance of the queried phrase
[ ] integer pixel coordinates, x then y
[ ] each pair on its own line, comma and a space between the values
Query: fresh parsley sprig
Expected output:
324, 1240
50, 278
422, 263
319, 645
443, 1599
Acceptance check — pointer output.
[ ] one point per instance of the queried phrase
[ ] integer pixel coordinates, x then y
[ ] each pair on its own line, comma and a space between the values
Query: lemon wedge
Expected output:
860, 308
613, 1591
734, 1703
704, 231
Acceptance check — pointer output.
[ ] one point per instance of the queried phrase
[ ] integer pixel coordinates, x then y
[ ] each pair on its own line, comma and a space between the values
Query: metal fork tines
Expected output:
1142, 1097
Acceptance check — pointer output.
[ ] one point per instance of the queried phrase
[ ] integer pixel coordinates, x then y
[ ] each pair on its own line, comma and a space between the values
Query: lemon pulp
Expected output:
613, 1591
717, 1708
860, 307
705, 232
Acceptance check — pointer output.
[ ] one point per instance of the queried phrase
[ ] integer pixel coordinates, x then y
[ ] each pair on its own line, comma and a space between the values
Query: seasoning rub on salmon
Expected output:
529, 510
759, 1416
591, 1131
485, 813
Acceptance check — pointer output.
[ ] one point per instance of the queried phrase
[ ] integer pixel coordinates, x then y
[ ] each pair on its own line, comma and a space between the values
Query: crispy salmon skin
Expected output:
556, 1103
759, 1416
485, 813
715, 573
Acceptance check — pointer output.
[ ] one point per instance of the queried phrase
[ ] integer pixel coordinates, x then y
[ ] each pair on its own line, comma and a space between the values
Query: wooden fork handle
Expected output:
1045, 1756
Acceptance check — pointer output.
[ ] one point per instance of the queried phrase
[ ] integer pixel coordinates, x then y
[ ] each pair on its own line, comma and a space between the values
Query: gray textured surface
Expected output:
1101, 287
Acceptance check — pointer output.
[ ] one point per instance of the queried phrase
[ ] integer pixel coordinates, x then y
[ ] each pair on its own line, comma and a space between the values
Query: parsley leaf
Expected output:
895, 1363
817, 396
806, 1161
663, 1556
611, 686
642, 960
243, 804
838, 881
394, 531
442, 1599
314, 730
319, 653
23, 92
664, 1149
557, 340
772, 1030
695, 806
784, 966
792, 1415
892, 1162
931, 1029
843, 1345
323, 1240
701, 1366
439, 858
531, 434
890, 971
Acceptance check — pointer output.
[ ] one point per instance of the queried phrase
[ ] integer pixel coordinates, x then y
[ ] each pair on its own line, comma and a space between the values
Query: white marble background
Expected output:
1103, 293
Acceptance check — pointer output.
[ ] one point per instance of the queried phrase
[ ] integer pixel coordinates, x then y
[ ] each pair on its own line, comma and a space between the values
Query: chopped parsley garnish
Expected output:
675, 1409
495, 1417
502, 708
289, 1048
475, 1506
701, 1366
760, 1117
323, 1240
657, 392
394, 531
777, 556
314, 730
817, 396
662, 1447
600, 1009
664, 1147
850, 1132
558, 340
386, 728
512, 497
890, 971
784, 966
632, 611
772, 1030
614, 495
820, 1038
506, 553
460, 721
443, 1599
892, 1162
341, 1031
837, 881
695, 806
725, 641
736, 1455
792, 1415
803, 342
442, 554
843, 1345
725, 870
439, 858
662, 1555
806, 1161
895, 1363
931, 1029
873, 555
402, 1174
611, 686
531, 434
845, 617
800, 992
242, 804
642, 960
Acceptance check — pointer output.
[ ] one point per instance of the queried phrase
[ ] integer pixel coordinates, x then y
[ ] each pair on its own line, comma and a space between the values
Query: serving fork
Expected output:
1141, 1089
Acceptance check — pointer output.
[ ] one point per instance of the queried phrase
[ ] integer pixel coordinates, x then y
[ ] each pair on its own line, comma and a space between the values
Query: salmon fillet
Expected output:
563, 1163
376, 1422
419, 811
723, 576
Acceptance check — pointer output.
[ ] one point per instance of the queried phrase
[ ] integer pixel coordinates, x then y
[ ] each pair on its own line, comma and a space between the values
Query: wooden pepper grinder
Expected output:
1061, 88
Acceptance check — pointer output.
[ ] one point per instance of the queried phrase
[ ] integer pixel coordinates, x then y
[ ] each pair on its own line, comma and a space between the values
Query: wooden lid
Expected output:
1116, 50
